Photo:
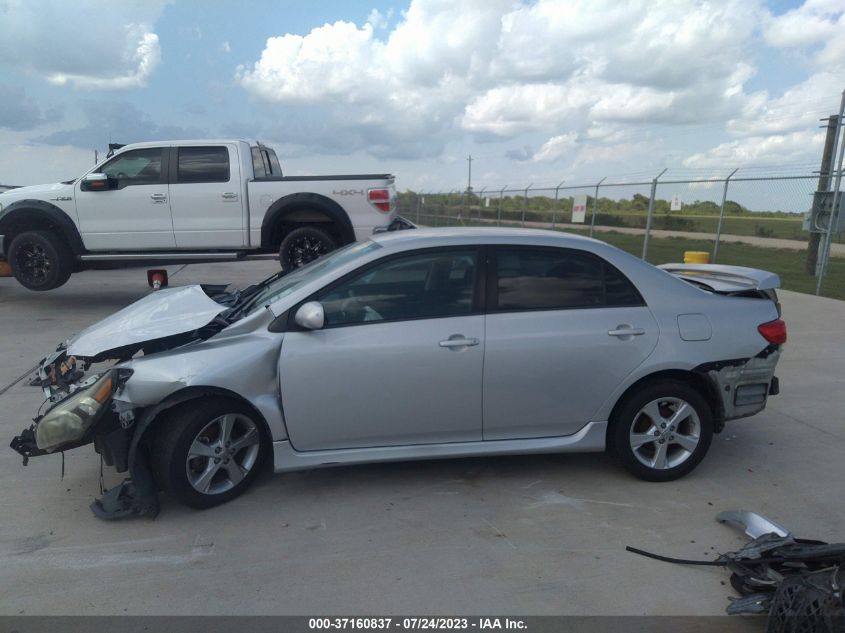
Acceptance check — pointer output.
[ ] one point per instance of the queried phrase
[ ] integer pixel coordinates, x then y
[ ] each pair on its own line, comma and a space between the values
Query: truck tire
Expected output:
40, 260
304, 245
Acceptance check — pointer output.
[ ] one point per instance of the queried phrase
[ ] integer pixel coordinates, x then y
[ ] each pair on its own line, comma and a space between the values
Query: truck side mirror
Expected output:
96, 182
311, 316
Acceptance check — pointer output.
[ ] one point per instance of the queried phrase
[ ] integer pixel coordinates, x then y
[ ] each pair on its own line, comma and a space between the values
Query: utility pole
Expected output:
469, 173
824, 185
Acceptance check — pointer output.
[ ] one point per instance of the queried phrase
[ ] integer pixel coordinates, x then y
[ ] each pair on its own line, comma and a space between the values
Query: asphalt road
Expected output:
518, 535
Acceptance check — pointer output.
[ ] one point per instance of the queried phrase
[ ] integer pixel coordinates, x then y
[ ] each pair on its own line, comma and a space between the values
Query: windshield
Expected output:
285, 285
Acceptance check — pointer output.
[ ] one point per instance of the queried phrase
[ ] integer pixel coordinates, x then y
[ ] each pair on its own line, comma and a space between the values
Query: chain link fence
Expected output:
659, 217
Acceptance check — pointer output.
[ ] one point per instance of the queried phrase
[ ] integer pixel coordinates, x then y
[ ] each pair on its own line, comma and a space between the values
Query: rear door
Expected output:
399, 360
205, 197
563, 329
134, 214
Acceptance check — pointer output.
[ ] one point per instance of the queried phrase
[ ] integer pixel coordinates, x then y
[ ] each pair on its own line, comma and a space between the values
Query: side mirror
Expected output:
95, 182
310, 316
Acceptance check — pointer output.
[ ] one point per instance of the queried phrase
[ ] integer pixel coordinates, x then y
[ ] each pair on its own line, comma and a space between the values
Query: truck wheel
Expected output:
304, 245
40, 260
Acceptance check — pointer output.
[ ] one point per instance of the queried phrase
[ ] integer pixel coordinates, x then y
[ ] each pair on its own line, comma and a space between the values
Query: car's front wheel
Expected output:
208, 453
662, 431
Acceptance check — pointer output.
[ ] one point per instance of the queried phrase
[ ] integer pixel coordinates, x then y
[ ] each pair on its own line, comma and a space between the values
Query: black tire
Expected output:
304, 245
40, 260
630, 418
177, 431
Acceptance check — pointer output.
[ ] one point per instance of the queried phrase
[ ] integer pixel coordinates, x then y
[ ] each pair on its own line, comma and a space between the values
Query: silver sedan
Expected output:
422, 344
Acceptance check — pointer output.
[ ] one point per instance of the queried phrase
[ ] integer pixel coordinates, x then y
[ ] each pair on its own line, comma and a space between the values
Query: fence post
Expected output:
499, 212
481, 201
722, 214
554, 206
825, 251
650, 211
525, 202
595, 206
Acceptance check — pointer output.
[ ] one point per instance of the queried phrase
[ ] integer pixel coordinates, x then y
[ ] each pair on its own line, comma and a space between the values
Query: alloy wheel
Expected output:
34, 262
223, 453
665, 433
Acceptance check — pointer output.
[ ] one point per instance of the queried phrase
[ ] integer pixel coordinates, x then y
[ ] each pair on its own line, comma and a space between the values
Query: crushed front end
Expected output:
83, 408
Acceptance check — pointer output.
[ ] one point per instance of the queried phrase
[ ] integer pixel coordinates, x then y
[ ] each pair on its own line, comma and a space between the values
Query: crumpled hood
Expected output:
159, 314
21, 193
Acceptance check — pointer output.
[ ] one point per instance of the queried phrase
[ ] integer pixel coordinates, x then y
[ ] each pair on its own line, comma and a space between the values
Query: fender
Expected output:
281, 207
38, 215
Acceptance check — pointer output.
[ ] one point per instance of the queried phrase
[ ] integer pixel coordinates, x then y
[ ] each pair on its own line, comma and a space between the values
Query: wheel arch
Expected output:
701, 383
38, 215
287, 208
152, 416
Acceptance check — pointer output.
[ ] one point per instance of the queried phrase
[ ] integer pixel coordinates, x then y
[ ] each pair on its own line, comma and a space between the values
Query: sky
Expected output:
537, 91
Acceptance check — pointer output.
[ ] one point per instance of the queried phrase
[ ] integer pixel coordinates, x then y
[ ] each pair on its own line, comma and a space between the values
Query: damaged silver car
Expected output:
414, 345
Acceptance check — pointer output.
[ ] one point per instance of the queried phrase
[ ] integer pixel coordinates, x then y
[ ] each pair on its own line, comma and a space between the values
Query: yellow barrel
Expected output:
5, 269
696, 257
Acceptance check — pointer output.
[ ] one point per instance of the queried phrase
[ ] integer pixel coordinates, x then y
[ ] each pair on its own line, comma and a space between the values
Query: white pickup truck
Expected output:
186, 201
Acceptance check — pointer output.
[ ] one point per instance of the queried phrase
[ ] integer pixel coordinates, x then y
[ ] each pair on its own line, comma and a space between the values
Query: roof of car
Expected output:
453, 235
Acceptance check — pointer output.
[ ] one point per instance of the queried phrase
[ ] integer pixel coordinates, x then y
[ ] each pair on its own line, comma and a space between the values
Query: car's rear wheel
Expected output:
208, 453
303, 245
662, 431
40, 260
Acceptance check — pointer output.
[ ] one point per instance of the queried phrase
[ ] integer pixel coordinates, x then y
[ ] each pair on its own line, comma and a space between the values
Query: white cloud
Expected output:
497, 69
378, 19
82, 44
140, 65
555, 148
226, 47
761, 150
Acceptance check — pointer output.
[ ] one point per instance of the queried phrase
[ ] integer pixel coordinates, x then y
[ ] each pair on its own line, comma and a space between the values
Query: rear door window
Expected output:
539, 278
202, 164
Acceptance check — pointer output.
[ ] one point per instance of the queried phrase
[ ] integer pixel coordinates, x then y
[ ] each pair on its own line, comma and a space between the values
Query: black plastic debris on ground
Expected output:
798, 583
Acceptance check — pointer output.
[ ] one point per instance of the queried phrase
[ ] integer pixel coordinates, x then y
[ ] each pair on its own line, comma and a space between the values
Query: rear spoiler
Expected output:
724, 278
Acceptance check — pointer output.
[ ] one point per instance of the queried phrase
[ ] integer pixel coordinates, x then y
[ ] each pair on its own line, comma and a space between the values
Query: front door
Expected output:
399, 361
564, 329
135, 213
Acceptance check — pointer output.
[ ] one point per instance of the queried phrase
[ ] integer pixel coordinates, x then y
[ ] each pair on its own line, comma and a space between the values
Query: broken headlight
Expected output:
69, 420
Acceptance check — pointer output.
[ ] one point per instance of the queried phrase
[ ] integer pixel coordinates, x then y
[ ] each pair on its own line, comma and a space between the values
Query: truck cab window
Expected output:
136, 167
202, 164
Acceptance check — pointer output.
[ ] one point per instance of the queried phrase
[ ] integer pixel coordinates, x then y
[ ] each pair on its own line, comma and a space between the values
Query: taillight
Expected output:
773, 331
380, 199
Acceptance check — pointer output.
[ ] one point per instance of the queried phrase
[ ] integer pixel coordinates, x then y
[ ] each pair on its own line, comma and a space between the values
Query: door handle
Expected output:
158, 197
229, 195
626, 330
459, 341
